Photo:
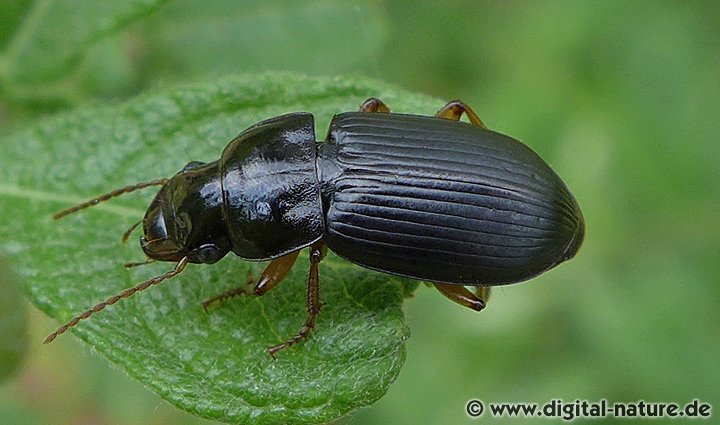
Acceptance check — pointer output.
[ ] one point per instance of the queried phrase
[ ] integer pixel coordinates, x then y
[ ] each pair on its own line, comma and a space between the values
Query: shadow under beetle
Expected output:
429, 198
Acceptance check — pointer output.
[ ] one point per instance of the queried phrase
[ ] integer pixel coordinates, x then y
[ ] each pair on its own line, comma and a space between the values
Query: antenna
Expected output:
105, 197
179, 267
127, 233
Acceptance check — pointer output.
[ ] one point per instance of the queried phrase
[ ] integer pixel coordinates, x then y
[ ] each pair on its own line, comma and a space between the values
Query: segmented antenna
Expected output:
127, 233
179, 267
105, 197
138, 263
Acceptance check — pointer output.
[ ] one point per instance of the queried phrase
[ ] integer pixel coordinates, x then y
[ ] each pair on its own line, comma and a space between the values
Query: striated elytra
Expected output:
430, 198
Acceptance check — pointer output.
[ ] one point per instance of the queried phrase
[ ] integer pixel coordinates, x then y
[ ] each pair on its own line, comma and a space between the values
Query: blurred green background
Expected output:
621, 98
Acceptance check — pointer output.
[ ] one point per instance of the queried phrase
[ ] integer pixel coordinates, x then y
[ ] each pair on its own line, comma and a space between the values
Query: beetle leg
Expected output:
313, 300
454, 110
483, 292
374, 104
270, 277
464, 296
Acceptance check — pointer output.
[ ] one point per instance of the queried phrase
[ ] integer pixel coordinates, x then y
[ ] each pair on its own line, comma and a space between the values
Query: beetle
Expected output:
430, 198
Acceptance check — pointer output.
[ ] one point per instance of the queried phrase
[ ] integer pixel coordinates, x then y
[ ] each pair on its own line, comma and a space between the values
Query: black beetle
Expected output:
429, 198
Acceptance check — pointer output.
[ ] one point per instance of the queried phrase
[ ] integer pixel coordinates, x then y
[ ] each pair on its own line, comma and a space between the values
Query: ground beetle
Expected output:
430, 198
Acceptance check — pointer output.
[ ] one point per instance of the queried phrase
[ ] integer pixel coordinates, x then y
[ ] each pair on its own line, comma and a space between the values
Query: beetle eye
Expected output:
156, 229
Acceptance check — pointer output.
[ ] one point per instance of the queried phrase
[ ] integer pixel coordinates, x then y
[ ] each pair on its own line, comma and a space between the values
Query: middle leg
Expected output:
313, 299
374, 104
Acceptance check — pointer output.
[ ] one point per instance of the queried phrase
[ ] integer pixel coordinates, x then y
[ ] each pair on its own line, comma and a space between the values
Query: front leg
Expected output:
273, 274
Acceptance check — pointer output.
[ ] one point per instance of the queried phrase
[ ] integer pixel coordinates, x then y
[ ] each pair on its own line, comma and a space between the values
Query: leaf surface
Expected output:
45, 52
212, 364
13, 323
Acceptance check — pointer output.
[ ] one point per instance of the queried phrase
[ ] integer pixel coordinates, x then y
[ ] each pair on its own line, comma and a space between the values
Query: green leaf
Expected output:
115, 48
10, 18
212, 364
320, 37
13, 323
40, 60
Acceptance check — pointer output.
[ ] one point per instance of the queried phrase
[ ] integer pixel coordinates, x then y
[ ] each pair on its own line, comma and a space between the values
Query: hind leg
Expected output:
463, 296
454, 110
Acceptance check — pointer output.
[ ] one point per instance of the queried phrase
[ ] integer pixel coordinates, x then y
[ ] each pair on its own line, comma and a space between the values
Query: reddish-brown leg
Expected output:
313, 299
273, 274
374, 105
454, 110
463, 296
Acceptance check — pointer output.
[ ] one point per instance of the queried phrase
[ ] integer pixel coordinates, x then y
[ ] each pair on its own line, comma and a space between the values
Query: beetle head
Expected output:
183, 224
185, 218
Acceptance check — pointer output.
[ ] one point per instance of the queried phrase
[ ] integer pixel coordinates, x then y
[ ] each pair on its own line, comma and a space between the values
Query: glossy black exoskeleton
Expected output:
428, 198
